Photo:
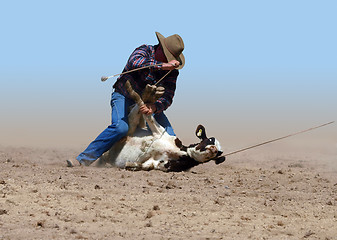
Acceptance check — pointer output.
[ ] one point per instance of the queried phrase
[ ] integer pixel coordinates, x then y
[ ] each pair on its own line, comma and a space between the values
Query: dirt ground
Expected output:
257, 194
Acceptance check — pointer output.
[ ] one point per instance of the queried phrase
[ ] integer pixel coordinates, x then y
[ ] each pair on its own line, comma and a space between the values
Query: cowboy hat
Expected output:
173, 47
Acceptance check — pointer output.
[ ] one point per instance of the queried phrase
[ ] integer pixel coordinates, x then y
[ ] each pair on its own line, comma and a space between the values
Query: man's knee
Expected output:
122, 129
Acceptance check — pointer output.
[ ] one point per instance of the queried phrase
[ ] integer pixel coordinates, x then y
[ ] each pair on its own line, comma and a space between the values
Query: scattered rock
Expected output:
156, 207
280, 223
227, 194
98, 187
149, 224
261, 177
170, 185
3, 211
308, 234
207, 181
150, 183
40, 224
296, 165
149, 214
245, 218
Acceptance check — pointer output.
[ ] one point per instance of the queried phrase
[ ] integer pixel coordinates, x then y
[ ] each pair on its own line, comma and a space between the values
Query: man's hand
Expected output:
170, 65
148, 108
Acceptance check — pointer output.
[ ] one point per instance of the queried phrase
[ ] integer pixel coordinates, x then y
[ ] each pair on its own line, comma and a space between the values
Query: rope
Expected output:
290, 135
163, 77
136, 69
155, 139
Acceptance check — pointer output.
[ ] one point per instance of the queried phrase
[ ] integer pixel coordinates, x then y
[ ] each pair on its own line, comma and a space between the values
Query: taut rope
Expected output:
270, 141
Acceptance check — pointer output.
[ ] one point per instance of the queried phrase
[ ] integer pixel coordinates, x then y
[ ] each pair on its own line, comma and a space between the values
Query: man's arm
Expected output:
141, 57
169, 84
166, 100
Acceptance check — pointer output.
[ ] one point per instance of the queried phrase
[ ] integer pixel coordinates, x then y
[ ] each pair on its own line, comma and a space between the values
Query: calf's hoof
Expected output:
131, 166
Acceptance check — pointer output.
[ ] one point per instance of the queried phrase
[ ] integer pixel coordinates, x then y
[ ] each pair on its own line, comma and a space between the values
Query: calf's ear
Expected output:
178, 143
201, 132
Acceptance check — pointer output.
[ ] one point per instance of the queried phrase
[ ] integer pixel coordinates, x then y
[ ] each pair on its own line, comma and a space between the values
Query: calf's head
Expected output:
208, 149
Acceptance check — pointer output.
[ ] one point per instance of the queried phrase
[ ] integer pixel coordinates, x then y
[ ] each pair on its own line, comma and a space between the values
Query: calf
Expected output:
154, 148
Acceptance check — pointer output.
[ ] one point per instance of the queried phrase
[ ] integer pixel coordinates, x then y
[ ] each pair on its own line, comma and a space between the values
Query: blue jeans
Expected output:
118, 128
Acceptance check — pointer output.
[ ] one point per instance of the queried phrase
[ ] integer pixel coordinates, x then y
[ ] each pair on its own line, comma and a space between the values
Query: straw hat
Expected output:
173, 47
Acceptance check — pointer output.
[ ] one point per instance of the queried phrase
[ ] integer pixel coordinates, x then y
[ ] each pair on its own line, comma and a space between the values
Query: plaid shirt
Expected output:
143, 56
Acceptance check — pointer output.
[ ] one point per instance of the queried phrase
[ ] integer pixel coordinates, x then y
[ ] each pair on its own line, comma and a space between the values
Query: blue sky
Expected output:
252, 67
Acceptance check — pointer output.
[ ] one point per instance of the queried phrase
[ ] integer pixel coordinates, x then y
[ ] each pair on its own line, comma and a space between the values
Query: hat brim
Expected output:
169, 56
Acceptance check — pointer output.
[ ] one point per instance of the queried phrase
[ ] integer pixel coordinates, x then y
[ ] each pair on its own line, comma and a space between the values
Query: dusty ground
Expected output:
253, 195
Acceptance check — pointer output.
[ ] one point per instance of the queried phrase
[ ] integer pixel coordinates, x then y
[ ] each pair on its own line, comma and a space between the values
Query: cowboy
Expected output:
168, 53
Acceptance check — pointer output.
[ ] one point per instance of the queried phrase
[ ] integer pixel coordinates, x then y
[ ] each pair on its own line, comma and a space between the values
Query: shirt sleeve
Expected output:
141, 57
169, 83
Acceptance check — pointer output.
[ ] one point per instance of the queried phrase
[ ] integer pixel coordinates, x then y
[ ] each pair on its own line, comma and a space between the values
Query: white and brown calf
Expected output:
156, 149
